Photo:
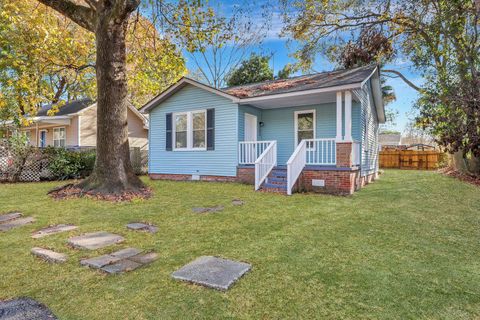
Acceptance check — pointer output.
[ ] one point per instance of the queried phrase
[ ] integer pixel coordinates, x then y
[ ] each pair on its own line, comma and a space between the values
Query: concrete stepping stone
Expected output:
238, 202
120, 261
126, 253
9, 216
49, 255
16, 223
212, 272
140, 226
145, 258
24, 309
100, 261
121, 266
207, 209
95, 240
53, 230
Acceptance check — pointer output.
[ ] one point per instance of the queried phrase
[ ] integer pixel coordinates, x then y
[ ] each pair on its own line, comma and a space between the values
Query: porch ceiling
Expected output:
292, 100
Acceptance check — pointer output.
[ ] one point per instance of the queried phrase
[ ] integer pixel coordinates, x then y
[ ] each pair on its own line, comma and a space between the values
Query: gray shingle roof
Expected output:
301, 83
69, 108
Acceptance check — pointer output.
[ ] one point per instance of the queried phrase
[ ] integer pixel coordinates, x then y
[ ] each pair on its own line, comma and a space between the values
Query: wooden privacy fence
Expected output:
410, 159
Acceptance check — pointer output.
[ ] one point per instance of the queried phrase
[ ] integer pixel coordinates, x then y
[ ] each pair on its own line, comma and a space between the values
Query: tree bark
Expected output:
113, 172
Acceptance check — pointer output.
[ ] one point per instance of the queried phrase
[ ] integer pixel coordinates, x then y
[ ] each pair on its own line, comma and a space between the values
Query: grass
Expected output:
405, 247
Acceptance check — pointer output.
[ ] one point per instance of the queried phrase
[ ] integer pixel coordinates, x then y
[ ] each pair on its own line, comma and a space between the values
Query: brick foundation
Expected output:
342, 182
188, 177
339, 181
246, 175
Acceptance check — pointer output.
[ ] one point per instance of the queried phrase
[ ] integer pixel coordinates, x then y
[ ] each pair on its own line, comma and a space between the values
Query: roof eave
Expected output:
377, 94
301, 92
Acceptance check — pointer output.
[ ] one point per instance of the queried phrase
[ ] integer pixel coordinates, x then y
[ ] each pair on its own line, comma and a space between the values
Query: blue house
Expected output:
316, 132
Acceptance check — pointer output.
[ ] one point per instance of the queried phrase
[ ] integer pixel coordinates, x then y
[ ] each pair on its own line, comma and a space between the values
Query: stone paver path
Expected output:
120, 261
95, 240
207, 209
238, 202
140, 226
49, 255
9, 216
53, 230
15, 222
212, 272
24, 309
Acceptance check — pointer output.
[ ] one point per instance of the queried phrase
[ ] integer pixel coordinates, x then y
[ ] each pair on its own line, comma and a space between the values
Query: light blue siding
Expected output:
222, 161
279, 124
370, 128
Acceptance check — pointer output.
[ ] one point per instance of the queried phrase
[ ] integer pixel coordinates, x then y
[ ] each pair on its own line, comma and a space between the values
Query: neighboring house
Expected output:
316, 132
389, 139
75, 126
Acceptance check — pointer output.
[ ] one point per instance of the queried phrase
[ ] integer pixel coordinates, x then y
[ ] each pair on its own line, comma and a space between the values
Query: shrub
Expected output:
68, 164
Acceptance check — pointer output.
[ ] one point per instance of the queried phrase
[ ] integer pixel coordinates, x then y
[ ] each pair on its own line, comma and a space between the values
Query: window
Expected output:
304, 125
190, 130
59, 137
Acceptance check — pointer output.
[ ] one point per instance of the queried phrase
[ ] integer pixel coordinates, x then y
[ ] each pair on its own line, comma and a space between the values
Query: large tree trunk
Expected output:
113, 172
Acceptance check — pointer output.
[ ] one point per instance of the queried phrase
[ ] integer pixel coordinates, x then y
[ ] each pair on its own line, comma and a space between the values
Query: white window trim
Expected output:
296, 123
40, 137
57, 139
189, 130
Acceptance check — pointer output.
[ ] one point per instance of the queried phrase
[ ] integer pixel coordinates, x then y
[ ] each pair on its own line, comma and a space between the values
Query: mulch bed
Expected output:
71, 191
460, 176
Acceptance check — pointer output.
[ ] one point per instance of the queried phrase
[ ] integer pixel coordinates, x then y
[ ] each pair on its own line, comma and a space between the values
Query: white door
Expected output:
250, 127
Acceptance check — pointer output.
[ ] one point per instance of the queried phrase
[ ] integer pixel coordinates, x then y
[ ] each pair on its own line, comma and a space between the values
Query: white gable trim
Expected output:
179, 85
377, 94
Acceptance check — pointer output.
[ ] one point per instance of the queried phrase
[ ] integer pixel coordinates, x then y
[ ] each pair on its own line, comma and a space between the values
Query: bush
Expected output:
66, 164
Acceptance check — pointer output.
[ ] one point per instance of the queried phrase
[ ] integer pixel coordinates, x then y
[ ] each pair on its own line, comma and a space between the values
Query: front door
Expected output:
250, 127
43, 139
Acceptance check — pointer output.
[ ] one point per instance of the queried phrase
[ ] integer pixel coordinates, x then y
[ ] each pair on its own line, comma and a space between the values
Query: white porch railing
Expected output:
265, 163
321, 151
249, 151
356, 154
295, 165
311, 152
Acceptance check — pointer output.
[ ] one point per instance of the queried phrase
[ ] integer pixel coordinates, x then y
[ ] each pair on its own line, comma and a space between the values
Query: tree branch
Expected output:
398, 73
81, 15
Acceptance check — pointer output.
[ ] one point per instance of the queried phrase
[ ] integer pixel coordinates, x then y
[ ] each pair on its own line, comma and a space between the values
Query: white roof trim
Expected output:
300, 93
178, 85
377, 94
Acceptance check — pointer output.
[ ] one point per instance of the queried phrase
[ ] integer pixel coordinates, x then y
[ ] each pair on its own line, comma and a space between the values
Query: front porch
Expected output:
314, 146
315, 165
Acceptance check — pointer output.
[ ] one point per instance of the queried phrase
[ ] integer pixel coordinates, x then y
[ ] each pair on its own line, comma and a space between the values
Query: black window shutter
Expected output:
210, 129
168, 137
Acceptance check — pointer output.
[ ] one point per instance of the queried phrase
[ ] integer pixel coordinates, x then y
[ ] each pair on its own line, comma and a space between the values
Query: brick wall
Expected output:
246, 175
336, 182
344, 155
188, 177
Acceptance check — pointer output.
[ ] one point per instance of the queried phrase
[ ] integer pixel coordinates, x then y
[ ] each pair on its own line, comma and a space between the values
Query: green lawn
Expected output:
405, 247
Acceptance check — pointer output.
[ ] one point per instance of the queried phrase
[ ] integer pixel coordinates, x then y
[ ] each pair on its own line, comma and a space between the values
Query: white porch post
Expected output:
348, 116
36, 135
339, 116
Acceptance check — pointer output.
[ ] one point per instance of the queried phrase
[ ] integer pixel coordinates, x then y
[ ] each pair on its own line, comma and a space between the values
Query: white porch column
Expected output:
348, 116
339, 116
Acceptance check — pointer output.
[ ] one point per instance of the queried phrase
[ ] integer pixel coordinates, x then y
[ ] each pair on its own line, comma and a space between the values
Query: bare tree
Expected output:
214, 42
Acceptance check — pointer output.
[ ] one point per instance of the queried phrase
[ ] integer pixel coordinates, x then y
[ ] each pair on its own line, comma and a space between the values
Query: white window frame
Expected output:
189, 130
65, 144
40, 138
296, 123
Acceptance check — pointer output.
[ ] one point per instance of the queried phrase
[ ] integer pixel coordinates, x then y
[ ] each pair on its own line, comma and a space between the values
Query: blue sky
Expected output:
406, 96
